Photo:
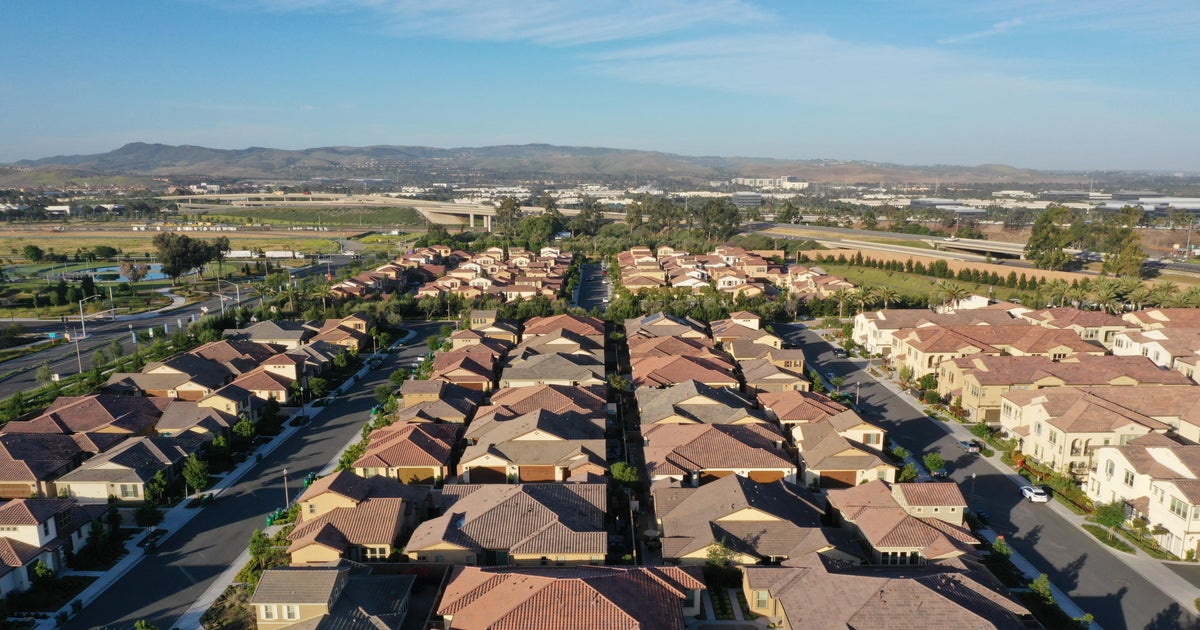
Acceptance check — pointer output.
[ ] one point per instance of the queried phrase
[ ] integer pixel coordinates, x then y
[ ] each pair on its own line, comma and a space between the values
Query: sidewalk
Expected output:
1151, 568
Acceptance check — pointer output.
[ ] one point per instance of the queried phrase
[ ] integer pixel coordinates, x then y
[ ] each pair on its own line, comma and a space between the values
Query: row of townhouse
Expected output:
113, 443
728, 269
495, 272
724, 472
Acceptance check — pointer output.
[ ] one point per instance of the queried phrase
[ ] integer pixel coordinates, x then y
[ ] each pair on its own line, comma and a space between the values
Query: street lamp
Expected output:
856, 393
82, 325
287, 501
236, 287
972, 486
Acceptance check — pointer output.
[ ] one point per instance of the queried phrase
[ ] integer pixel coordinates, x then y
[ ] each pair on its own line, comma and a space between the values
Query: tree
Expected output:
147, 515
398, 377
625, 473
244, 428
1127, 260
787, 214
195, 472
1110, 515
156, 488
589, 219
842, 296
949, 294
934, 461
220, 247
383, 393
33, 253
508, 213
1047, 239
133, 272
719, 555
178, 254
318, 386
142, 624
887, 295
260, 548
42, 573
1041, 586
908, 473
43, 374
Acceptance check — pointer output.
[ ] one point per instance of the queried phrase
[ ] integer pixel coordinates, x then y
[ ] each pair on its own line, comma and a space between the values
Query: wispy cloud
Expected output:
1175, 19
996, 29
556, 23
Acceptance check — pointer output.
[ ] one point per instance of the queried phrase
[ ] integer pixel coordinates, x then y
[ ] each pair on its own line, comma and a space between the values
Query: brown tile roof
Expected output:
409, 444
931, 494
798, 406
695, 401
587, 326
296, 585
1097, 410
568, 598
14, 553
555, 398
363, 490
1076, 370
678, 449
373, 522
82, 414
27, 512
694, 518
1070, 316
536, 519
823, 595
663, 371
885, 524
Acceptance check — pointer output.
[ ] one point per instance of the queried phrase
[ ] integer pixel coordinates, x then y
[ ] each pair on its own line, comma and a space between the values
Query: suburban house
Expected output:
1061, 427
981, 380
620, 598
536, 446
288, 335
757, 522
666, 371
30, 462
1158, 480
764, 375
640, 347
183, 416
817, 592
46, 530
694, 402
1167, 347
923, 349
124, 471
904, 523
520, 524
463, 369
1152, 318
700, 453
662, 325
515, 401
1095, 326
874, 330
359, 519
842, 451
559, 342
798, 407
553, 369
338, 597
97, 413
411, 452
590, 327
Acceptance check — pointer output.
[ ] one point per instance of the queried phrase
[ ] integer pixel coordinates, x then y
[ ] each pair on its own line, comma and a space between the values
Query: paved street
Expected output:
64, 360
1095, 579
164, 585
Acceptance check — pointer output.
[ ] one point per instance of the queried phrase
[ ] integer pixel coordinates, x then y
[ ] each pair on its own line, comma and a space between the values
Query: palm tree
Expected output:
886, 295
1164, 293
865, 295
1138, 297
1105, 295
1191, 297
950, 294
1077, 295
841, 296
1057, 291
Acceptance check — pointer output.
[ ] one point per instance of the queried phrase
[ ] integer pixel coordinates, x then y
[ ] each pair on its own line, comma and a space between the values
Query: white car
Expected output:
1035, 494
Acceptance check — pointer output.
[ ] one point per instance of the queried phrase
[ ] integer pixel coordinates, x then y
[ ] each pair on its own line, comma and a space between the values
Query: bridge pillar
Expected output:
471, 221
487, 222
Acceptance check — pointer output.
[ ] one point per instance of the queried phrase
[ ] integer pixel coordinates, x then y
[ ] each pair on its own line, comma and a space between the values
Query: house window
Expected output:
268, 612
1129, 477
128, 490
46, 528
8, 528
871, 438
1037, 428
312, 508
291, 611
560, 560
377, 553
760, 599
1054, 437
1109, 468
1179, 508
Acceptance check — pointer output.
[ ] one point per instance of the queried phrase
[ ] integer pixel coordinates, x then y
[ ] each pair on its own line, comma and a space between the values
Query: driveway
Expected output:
162, 587
1118, 597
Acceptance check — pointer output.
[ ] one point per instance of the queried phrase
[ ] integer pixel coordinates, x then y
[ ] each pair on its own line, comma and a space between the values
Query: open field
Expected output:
360, 216
138, 243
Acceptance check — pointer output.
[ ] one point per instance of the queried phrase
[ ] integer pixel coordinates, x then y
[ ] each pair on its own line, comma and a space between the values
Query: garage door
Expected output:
838, 479
537, 473
483, 474
713, 475
766, 476
15, 490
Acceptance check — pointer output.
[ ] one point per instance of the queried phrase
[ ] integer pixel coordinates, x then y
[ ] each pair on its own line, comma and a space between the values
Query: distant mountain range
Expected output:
145, 163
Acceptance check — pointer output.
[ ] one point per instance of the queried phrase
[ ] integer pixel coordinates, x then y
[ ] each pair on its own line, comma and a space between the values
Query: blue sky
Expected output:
1102, 84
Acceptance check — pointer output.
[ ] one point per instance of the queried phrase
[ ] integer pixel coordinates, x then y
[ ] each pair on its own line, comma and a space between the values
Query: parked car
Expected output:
840, 353
1035, 494
970, 446
939, 473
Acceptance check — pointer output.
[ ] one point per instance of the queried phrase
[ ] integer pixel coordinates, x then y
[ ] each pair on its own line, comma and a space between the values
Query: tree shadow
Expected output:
1032, 536
1070, 574
1173, 617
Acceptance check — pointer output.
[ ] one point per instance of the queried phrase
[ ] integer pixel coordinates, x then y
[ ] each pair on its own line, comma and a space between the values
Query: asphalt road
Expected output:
162, 587
594, 287
64, 360
1118, 597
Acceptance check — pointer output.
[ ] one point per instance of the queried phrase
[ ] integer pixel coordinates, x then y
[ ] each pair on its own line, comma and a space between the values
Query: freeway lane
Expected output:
162, 587
1118, 597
